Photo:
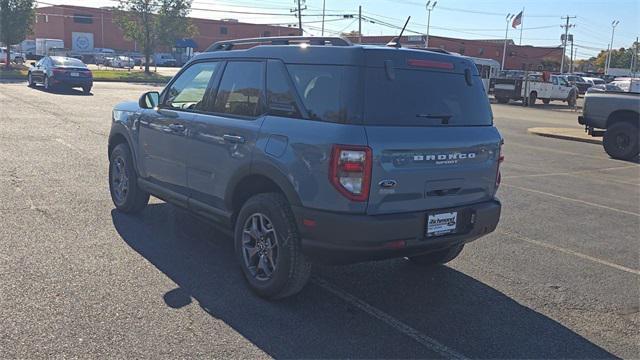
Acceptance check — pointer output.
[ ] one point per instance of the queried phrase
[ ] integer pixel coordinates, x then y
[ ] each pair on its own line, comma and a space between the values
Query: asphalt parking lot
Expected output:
558, 279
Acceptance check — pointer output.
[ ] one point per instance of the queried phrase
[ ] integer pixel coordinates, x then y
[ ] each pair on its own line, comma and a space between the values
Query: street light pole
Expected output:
614, 23
506, 34
429, 9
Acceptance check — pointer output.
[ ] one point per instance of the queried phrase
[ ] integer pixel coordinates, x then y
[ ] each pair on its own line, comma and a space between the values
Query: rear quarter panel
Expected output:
300, 150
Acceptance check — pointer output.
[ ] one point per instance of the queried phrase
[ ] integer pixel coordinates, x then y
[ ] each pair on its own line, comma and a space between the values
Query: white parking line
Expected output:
570, 252
572, 199
542, 148
573, 172
398, 325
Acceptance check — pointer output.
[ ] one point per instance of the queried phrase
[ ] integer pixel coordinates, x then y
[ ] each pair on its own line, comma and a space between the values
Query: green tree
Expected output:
16, 21
620, 58
154, 23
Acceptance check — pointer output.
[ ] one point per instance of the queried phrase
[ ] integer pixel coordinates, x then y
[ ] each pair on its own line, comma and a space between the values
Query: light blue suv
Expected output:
316, 150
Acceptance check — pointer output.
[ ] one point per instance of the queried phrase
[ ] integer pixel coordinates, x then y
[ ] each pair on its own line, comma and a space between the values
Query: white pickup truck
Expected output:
533, 88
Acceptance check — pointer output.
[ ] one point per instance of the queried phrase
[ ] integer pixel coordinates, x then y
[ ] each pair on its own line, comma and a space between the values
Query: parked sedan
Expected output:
58, 71
604, 87
120, 61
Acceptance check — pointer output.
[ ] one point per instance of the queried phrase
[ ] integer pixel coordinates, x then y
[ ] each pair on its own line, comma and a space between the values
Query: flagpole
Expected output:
521, 25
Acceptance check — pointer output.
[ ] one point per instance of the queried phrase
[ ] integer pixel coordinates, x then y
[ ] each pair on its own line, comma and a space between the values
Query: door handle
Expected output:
234, 139
176, 127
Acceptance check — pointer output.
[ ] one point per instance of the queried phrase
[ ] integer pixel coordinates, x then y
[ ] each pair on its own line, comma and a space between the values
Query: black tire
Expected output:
46, 84
621, 141
572, 99
502, 100
532, 98
132, 199
291, 270
30, 81
437, 258
86, 90
546, 101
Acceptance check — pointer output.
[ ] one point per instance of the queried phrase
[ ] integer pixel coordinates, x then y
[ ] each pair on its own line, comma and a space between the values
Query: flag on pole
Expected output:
517, 20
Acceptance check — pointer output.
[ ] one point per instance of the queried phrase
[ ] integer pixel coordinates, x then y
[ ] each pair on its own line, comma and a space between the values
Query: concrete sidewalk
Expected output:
574, 134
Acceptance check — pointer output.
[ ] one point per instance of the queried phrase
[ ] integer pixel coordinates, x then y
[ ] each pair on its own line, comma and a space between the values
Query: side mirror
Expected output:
149, 100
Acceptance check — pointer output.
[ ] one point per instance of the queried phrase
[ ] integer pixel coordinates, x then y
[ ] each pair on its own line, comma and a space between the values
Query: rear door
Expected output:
429, 125
222, 138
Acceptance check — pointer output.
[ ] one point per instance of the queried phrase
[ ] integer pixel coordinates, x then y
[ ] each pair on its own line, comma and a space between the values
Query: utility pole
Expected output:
323, 9
564, 40
571, 52
360, 24
506, 34
614, 23
634, 58
299, 11
429, 9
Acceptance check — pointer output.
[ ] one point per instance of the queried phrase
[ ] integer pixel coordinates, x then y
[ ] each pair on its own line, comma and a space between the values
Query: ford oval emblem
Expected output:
388, 184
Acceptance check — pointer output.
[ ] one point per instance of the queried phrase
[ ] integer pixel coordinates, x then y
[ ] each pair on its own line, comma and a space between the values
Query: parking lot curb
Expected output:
572, 134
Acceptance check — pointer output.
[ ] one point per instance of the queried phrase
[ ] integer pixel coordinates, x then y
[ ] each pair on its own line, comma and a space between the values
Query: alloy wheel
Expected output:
119, 180
260, 246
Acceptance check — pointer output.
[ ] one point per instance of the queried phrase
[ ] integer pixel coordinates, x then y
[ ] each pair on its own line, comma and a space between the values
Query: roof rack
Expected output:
279, 40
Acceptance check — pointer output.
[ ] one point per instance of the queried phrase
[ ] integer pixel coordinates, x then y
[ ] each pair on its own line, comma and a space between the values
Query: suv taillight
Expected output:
499, 174
350, 171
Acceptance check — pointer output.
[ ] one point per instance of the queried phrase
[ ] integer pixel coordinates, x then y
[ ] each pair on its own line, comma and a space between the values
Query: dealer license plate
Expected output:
75, 74
441, 224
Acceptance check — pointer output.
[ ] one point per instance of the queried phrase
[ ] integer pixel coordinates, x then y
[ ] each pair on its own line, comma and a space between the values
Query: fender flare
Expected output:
119, 129
270, 172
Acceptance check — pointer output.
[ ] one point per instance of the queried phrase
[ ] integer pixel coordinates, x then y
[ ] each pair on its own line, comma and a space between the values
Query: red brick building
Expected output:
85, 28
518, 57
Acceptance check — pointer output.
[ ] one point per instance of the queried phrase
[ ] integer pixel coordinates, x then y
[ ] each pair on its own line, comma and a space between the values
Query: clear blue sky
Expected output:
479, 19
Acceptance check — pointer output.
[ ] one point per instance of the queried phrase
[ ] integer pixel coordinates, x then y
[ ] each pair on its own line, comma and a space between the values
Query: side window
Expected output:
320, 88
555, 80
240, 89
187, 92
281, 100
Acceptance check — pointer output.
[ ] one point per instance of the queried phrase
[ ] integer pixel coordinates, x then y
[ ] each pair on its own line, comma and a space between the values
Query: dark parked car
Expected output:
579, 82
284, 145
57, 71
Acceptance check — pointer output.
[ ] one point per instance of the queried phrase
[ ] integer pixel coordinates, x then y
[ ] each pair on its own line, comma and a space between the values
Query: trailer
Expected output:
44, 46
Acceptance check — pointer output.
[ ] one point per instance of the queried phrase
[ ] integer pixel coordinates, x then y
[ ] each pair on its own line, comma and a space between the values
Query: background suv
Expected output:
314, 149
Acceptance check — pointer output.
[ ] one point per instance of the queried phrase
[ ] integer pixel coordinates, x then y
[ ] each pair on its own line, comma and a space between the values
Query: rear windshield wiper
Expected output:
444, 117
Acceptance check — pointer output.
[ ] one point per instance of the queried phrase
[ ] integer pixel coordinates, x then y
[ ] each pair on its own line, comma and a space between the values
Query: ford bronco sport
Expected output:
316, 150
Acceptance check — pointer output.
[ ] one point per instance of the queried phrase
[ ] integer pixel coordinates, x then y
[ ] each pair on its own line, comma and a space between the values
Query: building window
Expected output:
224, 30
266, 33
480, 51
82, 19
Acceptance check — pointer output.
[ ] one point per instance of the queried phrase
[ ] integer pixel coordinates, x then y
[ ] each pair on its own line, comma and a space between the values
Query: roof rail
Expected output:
432, 49
279, 40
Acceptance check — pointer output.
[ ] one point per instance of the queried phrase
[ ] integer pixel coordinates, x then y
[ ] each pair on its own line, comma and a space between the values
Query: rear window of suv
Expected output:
424, 98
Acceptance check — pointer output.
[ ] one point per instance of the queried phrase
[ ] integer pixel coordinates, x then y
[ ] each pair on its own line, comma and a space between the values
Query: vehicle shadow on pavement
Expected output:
63, 91
444, 304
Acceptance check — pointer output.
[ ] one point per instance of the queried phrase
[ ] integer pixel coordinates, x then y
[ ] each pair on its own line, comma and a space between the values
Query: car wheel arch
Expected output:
623, 115
260, 178
118, 136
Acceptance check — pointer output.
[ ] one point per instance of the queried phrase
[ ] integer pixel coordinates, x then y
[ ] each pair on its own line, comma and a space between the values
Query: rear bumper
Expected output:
342, 238
72, 82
